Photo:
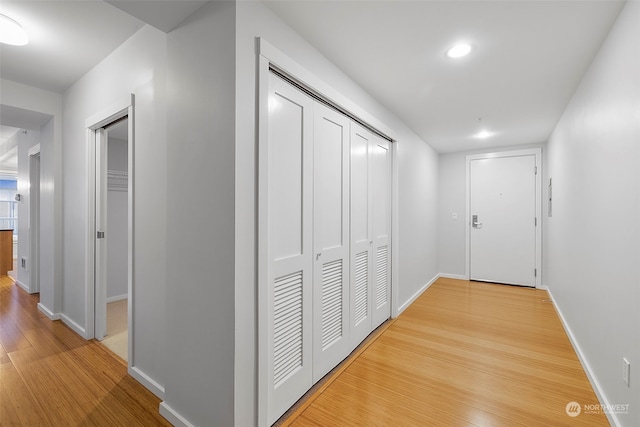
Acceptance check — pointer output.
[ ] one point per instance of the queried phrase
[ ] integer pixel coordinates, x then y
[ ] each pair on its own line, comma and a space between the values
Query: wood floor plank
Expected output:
463, 354
50, 376
17, 404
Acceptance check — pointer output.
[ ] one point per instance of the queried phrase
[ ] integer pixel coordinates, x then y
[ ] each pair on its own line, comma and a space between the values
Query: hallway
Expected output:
50, 376
463, 354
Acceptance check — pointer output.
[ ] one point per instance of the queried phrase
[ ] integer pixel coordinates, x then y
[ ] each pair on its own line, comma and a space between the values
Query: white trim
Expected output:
453, 276
263, 296
147, 381
419, 292
22, 285
51, 315
117, 298
109, 114
124, 107
74, 326
173, 416
613, 419
130, 227
91, 232
395, 227
537, 152
34, 150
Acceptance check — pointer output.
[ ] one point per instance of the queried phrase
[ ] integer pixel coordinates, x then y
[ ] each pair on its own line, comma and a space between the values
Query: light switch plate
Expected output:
626, 370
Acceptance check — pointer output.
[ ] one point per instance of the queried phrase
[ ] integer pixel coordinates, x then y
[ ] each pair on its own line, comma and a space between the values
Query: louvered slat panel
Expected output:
381, 276
361, 288
287, 326
331, 302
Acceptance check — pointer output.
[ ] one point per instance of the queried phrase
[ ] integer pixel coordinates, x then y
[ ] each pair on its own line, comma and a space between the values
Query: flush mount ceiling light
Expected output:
11, 32
459, 50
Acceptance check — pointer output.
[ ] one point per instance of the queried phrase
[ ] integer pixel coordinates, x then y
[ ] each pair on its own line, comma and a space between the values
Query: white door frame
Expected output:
125, 107
537, 152
34, 219
269, 55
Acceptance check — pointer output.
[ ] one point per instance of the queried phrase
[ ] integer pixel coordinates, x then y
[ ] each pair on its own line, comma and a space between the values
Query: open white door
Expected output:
100, 270
503, 219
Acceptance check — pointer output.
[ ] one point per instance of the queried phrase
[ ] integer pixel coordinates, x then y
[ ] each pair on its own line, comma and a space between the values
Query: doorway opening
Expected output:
34, 219
117, 295
110, 231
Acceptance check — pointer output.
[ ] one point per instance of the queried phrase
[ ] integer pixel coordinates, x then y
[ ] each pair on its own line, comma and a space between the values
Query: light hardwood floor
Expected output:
463, 354
50, 376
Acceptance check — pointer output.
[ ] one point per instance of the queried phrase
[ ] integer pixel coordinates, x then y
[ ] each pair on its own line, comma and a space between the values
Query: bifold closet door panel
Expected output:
361, 234
290, 246
381, 248
331, 239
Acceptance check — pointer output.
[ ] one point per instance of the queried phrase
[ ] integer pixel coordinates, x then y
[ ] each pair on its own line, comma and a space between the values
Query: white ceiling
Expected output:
67, 39
527, 60
528, 55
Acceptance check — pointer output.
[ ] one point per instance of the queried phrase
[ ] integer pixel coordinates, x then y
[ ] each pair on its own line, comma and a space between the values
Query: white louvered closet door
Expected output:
290, 257
381, 222
361, 234
331, 239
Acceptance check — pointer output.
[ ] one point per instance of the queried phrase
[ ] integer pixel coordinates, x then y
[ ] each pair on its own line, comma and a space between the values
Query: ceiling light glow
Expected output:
459, 50
483, 134
11, 32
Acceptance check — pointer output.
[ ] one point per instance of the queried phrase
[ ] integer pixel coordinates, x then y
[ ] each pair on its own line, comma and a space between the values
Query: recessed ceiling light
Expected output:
483, 134
11, 32
459, 50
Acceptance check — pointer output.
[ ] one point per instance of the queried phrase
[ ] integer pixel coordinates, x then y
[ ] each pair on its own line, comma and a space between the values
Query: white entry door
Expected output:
503, 222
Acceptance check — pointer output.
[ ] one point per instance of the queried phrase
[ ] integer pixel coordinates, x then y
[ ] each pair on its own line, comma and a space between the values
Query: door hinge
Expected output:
535, 170
535, 272
100, 234
535, 221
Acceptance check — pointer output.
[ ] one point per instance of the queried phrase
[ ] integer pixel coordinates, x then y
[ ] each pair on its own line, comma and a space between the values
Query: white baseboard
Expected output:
415, 296
117, 298
22, 285
613, 419
453, 276
172, 416
73, 325
149, 383
51, 315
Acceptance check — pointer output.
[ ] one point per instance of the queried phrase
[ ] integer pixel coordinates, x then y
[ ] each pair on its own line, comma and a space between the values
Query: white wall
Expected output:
138, 66
594, 234
452, 198
117, 224
417, 192
200, 228
34, 99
